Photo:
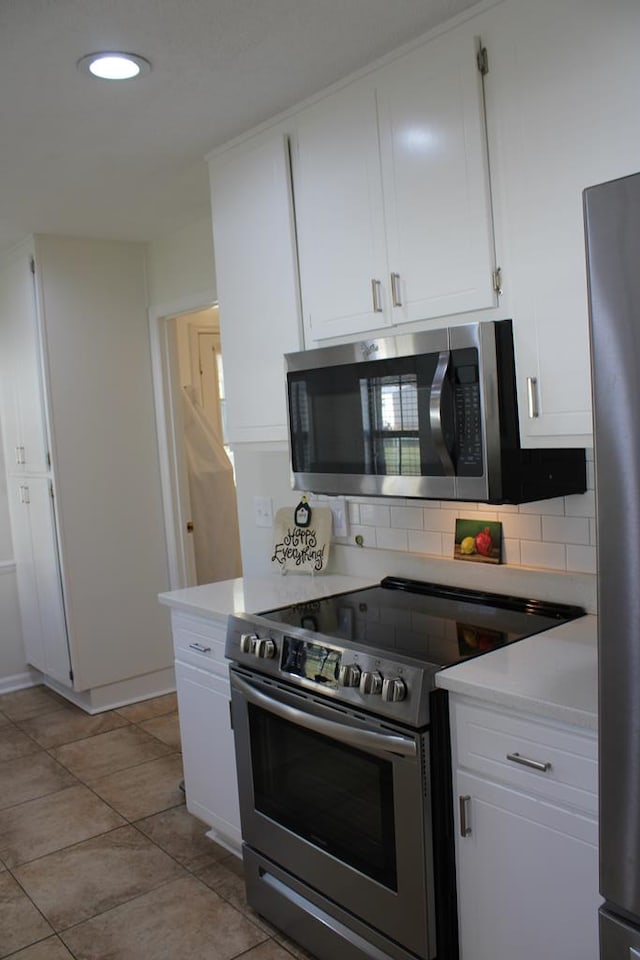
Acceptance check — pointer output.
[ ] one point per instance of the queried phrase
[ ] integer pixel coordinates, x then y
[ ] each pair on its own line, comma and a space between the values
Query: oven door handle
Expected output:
366, 739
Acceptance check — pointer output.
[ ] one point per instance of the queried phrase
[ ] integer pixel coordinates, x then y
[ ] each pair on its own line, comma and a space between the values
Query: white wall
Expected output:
181, 265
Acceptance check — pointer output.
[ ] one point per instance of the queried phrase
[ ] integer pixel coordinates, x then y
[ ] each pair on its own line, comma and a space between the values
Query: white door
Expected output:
339, 215
527, 877
38, 577
436, 181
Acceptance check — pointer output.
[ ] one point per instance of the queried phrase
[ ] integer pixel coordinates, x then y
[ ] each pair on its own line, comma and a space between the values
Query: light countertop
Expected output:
258, 594
553, 674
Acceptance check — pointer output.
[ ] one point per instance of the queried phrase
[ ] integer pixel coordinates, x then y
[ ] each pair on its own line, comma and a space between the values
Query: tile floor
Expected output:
99, 858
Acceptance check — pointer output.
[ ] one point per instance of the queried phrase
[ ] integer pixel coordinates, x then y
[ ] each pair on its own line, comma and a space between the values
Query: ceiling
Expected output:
126, 160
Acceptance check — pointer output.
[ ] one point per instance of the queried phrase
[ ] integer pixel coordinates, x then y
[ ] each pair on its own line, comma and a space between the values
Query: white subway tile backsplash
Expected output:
565, 529
388, 538
547, 507
425, 541
534, 553
374, 516
409, 518
511, 551
593, 533
354, 513
581, 559
521, 526
448, 542
581, 504
442, 520
368, 535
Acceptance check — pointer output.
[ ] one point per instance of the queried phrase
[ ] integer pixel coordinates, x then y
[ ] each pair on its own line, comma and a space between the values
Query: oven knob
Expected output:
266, 649
371, 682
393, 688
248, 642
349, 675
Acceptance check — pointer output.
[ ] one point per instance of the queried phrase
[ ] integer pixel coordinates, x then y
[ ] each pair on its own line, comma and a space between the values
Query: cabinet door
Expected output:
211, 784
22, 391
38, 577
527, 874
569, 75
257, 282
339, 215
436, 180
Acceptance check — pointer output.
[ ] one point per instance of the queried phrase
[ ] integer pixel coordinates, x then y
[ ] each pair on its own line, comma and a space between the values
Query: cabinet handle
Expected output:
465, 829
20, 455
395, 290
24, 494
375, 294
200, 647
527, 762
532, 397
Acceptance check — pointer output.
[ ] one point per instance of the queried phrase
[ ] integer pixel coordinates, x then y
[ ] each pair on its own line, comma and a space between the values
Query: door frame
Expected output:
175, 493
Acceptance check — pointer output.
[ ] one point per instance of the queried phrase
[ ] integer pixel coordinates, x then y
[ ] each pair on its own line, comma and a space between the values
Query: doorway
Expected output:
196, 465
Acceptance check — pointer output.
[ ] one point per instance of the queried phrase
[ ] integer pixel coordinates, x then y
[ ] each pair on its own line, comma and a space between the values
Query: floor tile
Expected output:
146, 709
183, 837
270, 950
14, 743
165, 728
293, 948
31, 776
108, 752
77, 883
145, 789
183, 919
20, 923
68, 723
22, 704
50, 823
232, 889
50, 949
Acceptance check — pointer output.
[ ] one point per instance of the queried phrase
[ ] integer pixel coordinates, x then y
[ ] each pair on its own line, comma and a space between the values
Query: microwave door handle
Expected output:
364, 739
435, 413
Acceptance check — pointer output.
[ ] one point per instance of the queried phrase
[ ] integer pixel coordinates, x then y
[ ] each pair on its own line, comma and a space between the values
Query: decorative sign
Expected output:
298, 548
479, 540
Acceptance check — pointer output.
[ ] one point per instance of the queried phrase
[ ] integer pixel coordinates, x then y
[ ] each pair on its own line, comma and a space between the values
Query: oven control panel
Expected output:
353, 675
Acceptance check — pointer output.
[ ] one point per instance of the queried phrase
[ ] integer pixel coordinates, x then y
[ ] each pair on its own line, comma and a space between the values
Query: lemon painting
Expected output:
478, 540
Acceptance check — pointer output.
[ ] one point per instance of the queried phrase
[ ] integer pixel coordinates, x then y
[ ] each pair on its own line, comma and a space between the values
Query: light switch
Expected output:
338, 507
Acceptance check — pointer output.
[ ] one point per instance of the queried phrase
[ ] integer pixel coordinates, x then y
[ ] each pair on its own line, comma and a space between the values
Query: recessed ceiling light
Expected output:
113, 65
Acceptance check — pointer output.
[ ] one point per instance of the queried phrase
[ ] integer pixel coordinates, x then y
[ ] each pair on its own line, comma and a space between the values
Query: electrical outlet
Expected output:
338, 507
263, 511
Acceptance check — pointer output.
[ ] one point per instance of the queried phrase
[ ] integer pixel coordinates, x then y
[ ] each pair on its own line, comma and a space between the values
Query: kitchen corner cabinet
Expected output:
85, 508
204, 702
392, 194
257, 281
563, 80
526, 835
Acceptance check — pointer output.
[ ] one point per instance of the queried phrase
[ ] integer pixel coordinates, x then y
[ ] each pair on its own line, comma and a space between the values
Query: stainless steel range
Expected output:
342, 748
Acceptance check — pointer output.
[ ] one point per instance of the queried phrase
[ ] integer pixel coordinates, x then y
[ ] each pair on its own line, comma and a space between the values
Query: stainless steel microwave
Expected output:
432, 415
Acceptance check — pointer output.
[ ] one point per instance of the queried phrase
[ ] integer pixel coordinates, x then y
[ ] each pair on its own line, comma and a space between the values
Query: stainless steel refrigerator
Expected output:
612, 222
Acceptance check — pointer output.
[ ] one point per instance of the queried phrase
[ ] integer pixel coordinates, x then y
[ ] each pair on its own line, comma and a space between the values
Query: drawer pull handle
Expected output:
200, 647
465, 829
527, 762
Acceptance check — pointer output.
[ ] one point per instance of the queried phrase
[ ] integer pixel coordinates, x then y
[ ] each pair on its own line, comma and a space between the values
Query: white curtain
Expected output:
213, 500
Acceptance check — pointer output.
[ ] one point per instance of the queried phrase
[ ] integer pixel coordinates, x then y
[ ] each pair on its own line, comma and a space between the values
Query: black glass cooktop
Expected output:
428, 622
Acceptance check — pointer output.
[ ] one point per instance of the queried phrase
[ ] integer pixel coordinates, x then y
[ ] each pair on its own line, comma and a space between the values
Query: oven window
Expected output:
333, 795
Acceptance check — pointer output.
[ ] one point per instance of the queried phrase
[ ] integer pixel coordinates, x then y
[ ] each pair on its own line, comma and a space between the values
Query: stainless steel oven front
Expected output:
336, 820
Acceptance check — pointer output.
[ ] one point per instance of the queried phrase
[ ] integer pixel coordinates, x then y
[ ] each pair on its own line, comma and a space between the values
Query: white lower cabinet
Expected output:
526, 836
202, 683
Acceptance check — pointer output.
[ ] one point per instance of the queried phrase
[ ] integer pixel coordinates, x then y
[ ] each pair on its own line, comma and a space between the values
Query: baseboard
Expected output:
120, 694
19, 681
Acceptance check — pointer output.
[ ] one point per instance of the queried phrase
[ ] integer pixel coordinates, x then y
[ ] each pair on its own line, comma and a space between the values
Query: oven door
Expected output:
340, 801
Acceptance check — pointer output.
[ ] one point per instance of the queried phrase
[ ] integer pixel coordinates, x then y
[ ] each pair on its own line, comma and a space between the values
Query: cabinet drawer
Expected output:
200, 643
552, 761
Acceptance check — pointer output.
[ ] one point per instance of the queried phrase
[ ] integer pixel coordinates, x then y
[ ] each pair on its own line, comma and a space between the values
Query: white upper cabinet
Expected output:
564, 79
436, 182
257, 279
392, 195
23, 415
340, 215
